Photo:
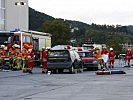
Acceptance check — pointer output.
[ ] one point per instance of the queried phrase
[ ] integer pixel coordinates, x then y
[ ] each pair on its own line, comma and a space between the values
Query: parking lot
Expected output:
15, 85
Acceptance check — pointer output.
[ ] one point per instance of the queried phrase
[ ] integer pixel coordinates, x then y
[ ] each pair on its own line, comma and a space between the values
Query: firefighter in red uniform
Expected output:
45, 57
17, 57
41, 55
2, 55
30, 59
11, 57
104, 51
128, 56
25, 58
111, 58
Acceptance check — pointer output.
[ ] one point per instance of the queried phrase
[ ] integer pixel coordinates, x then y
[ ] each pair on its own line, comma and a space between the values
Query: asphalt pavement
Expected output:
15, 85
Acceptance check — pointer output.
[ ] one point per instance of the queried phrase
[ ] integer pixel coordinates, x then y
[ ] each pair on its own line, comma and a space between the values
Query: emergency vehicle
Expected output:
91, 47
39, 40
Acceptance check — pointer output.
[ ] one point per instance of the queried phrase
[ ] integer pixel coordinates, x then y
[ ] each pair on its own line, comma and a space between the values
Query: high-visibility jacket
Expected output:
129, 54
2, 51
111, 55
24, 53
41, 54
12, 51
98, 55
31, 54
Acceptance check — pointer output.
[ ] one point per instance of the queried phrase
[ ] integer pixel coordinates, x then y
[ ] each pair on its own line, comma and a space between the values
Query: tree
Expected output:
115, 42
60, 32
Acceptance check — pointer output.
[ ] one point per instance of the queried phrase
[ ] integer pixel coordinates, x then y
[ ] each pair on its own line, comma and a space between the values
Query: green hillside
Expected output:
101, 34
37, 18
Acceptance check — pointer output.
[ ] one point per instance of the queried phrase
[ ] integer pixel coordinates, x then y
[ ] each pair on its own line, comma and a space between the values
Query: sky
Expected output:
110, 12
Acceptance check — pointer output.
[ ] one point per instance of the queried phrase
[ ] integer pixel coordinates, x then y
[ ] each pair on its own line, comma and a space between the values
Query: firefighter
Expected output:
2, 56
45, 57
99, 58
14, 57
104, 54
128, 56
111, 58
41, 55
25, 58
11, 57
30, 59
17, 60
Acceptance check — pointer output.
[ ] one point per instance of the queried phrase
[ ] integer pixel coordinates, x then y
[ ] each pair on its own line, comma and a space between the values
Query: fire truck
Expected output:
39, 40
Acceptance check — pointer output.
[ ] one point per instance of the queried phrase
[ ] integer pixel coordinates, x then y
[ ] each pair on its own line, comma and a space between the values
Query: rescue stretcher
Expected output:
109, 72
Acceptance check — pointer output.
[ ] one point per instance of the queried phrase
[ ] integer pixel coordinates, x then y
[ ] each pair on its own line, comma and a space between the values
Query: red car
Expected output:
89, 61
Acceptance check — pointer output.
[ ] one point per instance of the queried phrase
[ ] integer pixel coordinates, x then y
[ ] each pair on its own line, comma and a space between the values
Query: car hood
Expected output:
91, 59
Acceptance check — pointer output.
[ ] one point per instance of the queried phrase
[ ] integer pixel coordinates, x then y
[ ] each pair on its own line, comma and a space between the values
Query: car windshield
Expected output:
85, 54
5, 38
58, 53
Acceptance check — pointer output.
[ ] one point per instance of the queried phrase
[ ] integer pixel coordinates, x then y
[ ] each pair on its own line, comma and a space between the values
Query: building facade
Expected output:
2, 14
14, 15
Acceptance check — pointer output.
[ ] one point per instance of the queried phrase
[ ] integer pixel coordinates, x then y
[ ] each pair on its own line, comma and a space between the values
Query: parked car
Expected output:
64, 59
89, 61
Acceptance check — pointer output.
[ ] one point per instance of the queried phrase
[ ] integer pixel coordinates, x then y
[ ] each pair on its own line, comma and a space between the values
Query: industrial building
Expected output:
14, 15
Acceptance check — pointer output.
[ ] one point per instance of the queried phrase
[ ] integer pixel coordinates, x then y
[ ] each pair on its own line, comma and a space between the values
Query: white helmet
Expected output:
129, 49
111, 49
18, 46
15, 45
3, 46
104, 47
48, 48
29, 50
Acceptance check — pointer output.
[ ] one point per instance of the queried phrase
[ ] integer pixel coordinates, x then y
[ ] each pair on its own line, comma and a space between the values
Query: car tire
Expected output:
73, 70
54, 71
60, 70
81, 69
96, 68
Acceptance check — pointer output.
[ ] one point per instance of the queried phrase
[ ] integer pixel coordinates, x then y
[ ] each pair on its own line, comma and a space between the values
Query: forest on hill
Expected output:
65, 30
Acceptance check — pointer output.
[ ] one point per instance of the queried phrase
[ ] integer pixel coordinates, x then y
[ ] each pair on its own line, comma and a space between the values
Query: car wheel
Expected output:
81, 69
73, 70
96, 68
60, 70
54, 71
88, 68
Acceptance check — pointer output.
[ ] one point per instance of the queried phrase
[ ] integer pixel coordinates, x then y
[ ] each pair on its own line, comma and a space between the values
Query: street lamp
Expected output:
19, 4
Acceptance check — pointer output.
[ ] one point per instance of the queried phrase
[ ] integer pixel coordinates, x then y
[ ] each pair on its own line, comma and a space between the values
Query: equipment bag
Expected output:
103, 72
127, 66
117, 72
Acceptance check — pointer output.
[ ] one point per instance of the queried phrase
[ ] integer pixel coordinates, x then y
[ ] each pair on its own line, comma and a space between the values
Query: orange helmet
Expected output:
30, 47
26, 46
